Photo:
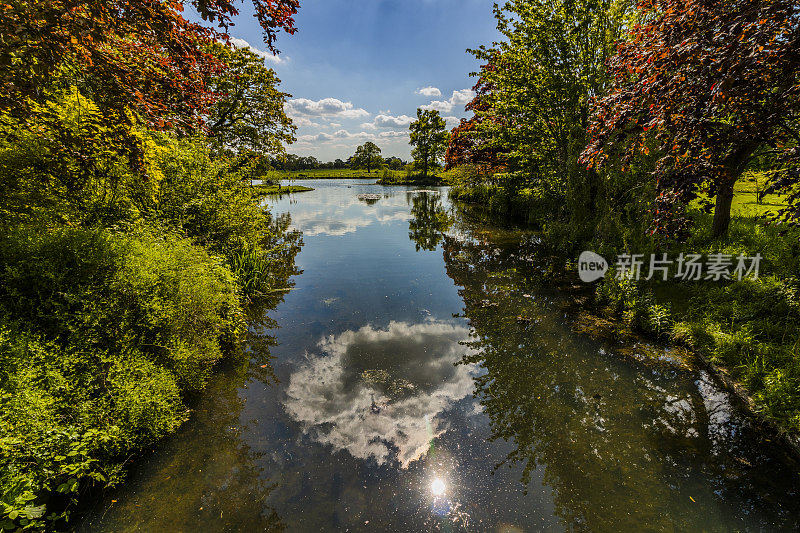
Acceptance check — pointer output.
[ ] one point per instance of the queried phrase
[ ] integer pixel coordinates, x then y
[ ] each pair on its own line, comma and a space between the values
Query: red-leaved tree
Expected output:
138, 55
715, 84
468, 143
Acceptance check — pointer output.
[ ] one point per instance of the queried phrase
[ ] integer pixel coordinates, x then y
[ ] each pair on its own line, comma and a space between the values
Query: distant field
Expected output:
330, 174
745, 204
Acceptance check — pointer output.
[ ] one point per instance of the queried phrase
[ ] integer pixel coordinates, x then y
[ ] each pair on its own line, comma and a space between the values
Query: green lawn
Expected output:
745, 204
331, 174
745, 199
265, 190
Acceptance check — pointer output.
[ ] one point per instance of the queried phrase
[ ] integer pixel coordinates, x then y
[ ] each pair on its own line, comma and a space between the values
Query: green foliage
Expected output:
63, 165
105, 333
249, 115
429, 139
127, 246
368, 156
637, 306
121, 288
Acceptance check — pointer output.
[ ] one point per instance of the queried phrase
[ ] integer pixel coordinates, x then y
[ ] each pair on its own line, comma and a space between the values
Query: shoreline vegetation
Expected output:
625, 173
135, 257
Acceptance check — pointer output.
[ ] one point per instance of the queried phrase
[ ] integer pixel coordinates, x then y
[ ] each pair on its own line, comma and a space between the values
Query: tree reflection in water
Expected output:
622, 444
429, 220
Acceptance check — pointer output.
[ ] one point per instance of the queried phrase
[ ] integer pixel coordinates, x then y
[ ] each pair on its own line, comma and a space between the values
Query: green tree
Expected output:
429, 138
534, 96
367, 155
249, 115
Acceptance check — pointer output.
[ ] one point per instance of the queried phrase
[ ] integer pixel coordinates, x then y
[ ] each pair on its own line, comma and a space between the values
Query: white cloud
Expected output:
459, 98
320, 219
452, 122
388, 121
360, 136
272, 58
361, 397
393, 134
324, 107
304, 122
462, 97
383, 121
429, 92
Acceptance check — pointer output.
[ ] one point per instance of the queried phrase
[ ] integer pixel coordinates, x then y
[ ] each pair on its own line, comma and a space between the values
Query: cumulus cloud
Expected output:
393, 134
326, 107
379, 393
429, 92
272, 58
452, 122
459, 98
346, 135
304, 122
388, 121
383, 121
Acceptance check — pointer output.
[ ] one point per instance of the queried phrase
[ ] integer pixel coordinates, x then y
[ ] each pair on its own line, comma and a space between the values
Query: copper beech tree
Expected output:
131, 55
467, 145
711, 86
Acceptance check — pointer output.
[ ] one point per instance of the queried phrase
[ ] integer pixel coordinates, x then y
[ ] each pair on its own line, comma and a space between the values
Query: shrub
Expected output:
105, 334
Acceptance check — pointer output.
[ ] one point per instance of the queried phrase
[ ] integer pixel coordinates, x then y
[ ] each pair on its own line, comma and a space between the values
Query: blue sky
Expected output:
358, 69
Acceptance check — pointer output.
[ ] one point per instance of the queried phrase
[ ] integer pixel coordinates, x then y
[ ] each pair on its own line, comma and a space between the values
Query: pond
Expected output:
424, 380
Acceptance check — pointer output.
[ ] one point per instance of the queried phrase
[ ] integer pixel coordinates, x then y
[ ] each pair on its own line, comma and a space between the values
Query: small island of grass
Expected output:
269, 189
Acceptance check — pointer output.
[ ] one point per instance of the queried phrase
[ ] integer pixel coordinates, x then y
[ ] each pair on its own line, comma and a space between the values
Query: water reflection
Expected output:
429, 220
377, 392
372, 425
623, 445
205, 474
319, 216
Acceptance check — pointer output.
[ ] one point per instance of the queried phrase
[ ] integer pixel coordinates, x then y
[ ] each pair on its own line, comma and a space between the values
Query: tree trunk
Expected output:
722, 210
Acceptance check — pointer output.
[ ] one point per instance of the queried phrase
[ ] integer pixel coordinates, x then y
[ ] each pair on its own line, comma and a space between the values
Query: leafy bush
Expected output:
105, 334
218, 210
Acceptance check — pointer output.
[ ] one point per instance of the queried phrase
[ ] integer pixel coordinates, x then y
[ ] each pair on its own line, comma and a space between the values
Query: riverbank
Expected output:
108, 332
748, 331
431, 181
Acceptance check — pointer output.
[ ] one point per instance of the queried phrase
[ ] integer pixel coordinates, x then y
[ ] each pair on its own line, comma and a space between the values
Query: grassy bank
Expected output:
271, 190
408, 179
750, 329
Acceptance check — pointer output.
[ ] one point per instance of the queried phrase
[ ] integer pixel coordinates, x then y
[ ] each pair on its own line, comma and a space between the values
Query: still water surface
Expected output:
427, 382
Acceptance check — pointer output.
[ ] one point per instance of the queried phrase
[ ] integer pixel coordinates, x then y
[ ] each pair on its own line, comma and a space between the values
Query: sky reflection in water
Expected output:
374, 427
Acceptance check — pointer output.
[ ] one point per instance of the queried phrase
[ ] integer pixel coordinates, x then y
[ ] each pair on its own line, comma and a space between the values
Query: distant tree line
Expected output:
292, 162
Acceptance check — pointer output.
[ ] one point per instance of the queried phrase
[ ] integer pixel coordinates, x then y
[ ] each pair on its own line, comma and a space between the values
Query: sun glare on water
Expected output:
438, 487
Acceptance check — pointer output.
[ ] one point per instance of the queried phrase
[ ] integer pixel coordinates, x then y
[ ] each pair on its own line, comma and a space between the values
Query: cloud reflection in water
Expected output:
375, 392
